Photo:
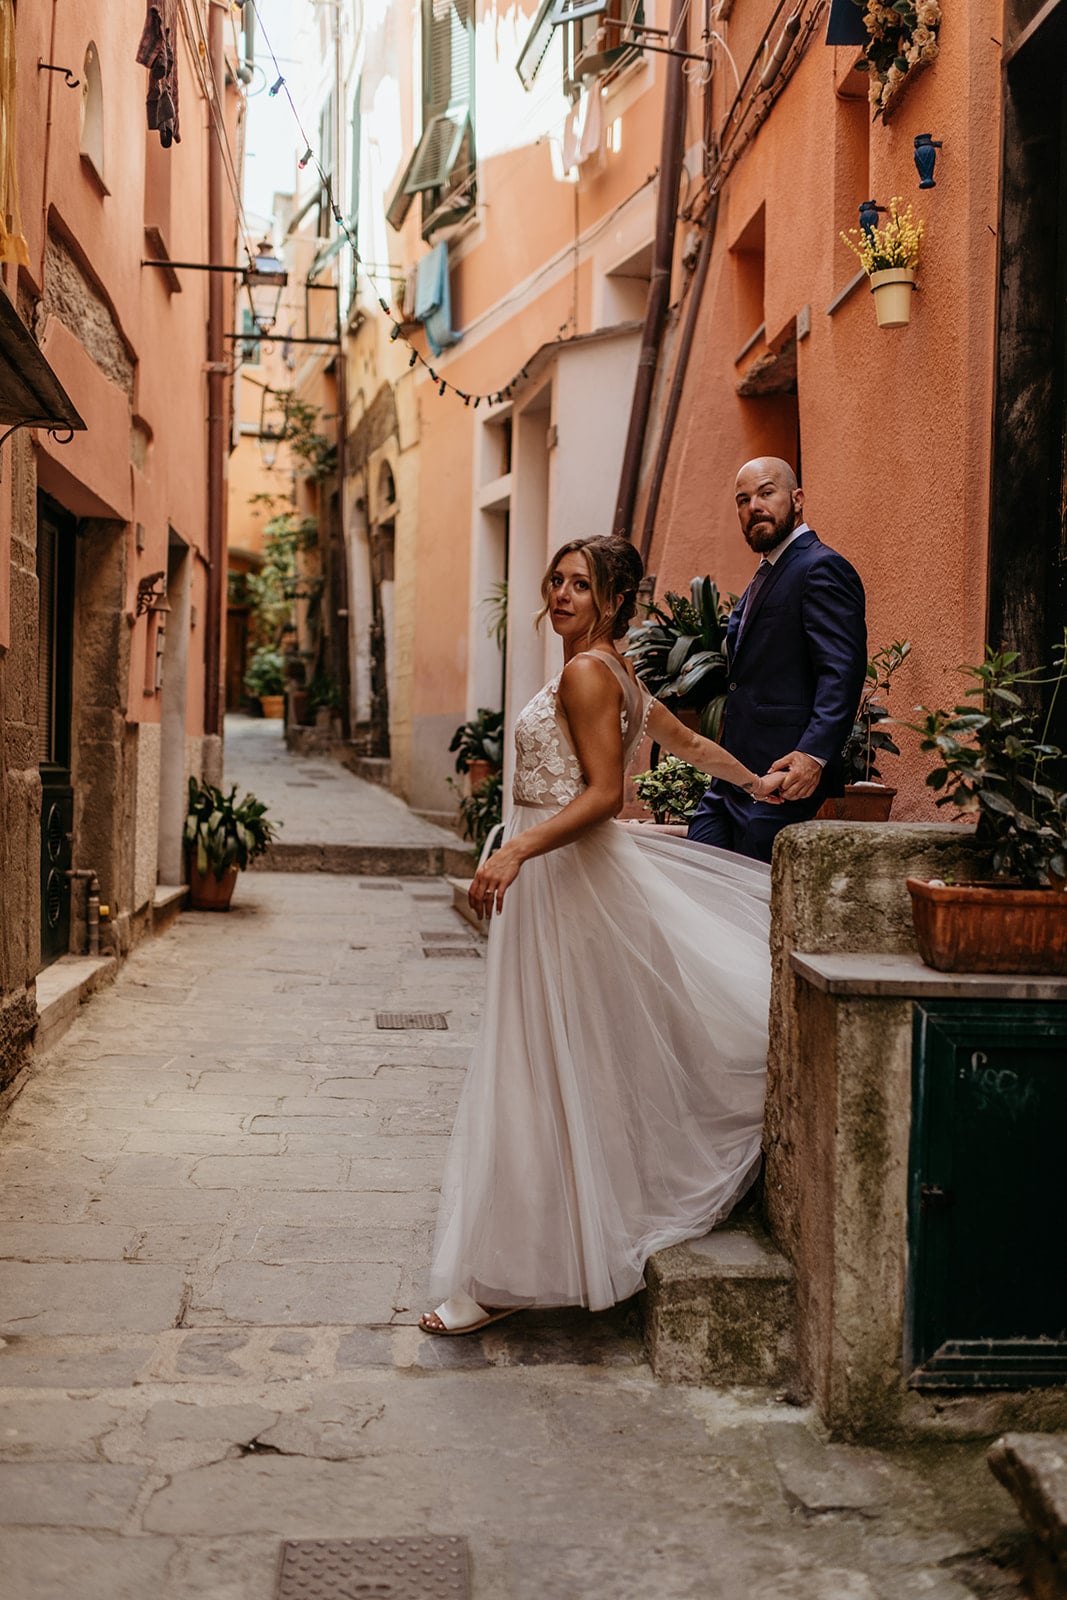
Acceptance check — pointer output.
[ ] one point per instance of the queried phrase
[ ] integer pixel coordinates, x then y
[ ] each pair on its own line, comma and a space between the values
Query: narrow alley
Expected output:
218, 1197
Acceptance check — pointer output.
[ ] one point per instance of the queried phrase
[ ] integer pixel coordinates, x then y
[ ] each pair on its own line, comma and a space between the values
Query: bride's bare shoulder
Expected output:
588, 682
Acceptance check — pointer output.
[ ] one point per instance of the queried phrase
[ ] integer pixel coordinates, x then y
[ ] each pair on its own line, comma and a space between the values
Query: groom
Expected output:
796, 647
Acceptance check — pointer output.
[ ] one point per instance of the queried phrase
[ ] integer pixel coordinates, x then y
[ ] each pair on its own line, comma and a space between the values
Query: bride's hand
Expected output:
486, 893
767, 786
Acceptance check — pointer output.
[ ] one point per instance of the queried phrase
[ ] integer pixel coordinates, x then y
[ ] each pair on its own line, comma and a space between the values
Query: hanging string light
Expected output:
415, 357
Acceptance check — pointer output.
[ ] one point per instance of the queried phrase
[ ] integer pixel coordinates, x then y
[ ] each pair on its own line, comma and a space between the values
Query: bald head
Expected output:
769, 502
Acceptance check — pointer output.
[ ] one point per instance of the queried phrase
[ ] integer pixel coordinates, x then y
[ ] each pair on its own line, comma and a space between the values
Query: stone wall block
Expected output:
18, 1019
835, 886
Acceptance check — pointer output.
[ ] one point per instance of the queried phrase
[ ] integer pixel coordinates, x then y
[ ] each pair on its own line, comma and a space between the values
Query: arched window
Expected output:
92, 130
386, 490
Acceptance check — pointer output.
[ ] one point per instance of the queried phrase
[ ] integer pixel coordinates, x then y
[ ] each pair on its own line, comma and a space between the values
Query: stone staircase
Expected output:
721, 1310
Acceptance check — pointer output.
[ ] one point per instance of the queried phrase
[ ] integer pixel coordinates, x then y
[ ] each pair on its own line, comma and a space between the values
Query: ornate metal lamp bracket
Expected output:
148, 594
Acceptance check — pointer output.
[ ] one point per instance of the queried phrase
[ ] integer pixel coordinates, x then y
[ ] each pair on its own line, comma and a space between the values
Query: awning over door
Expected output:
30, 393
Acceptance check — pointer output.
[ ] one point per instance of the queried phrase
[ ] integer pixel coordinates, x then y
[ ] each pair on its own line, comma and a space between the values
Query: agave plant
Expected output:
679, 652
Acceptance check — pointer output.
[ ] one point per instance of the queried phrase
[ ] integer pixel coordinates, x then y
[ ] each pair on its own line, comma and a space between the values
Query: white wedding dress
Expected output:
614, 1099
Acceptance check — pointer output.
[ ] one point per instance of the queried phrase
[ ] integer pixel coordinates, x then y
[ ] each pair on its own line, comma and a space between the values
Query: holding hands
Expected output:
800, 774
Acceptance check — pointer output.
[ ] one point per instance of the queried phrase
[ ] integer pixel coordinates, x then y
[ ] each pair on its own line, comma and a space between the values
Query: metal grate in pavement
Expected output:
367, 883
411, 1019
440, 936
468, 950
379, 1569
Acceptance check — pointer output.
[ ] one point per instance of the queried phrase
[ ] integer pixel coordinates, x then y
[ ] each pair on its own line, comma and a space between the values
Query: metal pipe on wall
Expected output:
674, 397
672, 153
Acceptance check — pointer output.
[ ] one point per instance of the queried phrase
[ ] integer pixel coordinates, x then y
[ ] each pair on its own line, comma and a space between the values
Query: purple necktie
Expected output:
763, 572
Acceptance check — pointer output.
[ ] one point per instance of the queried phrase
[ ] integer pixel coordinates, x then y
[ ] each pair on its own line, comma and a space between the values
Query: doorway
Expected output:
55, 639
1028, 524
172, 763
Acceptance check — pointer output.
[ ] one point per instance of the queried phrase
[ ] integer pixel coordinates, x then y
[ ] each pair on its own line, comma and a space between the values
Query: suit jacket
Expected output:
798, 670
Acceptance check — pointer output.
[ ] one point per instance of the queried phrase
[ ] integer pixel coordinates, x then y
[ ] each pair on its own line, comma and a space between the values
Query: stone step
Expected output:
1033, 1468
722, 1310
365, 860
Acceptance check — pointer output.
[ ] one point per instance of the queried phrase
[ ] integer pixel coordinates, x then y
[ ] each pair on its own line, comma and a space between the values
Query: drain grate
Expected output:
380, 1569
440, 936
366, 883
411, 1019
468, 950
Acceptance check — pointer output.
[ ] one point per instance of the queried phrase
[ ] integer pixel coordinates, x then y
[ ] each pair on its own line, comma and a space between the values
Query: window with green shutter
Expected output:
593, 35
442, 165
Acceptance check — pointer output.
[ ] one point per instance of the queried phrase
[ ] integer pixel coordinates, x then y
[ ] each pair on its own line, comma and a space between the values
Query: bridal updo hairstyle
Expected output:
615, 569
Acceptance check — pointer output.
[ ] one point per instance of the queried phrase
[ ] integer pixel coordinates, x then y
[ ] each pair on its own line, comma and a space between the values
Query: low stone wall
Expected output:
836, 886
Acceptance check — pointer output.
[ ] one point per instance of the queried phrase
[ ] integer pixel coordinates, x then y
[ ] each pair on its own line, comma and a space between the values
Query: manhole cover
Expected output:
411, 1019
452, 950
374, 1569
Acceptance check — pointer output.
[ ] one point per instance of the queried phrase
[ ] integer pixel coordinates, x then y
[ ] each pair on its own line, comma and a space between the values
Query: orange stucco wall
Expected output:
894, 424
144, 458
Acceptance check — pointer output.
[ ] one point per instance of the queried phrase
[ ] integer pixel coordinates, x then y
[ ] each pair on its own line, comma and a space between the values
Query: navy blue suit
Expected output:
796, 676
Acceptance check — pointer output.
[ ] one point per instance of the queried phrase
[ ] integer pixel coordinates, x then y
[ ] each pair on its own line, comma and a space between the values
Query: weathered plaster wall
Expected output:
20, 783
146, 843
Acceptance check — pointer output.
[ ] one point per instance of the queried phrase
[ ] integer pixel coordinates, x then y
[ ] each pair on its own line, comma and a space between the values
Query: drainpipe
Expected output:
674, 398
217, 368
92, 904
672, 152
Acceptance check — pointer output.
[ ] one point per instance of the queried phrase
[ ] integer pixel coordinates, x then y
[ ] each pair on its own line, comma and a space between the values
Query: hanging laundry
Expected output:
583, 131
158, 51
433, 303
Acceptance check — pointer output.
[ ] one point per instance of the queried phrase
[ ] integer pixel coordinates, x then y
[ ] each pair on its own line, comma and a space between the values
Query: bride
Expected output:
614, 1099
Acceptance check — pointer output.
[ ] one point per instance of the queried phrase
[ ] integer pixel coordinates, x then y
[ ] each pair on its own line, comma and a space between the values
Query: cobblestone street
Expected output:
217, 1197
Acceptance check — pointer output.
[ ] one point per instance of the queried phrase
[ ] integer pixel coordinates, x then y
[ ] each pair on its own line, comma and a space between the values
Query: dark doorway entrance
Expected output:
1028, 539
55, 577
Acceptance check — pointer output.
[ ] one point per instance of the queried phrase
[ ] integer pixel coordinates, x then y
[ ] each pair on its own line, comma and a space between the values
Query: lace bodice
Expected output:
547, 771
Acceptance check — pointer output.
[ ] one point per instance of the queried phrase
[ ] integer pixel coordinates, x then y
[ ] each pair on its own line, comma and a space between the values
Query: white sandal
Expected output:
460, 1314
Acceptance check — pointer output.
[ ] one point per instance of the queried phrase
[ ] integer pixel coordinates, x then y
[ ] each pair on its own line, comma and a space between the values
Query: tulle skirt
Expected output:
614, 1099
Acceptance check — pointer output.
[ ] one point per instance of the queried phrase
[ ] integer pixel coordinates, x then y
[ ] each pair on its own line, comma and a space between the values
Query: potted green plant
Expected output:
867, 798
889, 256
671, 790
265, 679
223, 835
478, 746
679, 654
993, 765
482, 809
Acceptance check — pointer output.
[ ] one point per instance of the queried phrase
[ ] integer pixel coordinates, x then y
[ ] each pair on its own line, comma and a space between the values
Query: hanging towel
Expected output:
433, 304
158, 51
583, 131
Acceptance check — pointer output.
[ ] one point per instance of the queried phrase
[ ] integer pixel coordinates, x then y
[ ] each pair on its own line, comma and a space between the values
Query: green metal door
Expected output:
987, 1282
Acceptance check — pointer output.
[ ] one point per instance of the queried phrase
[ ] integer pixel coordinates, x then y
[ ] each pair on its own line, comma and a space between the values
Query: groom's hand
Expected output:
802, 775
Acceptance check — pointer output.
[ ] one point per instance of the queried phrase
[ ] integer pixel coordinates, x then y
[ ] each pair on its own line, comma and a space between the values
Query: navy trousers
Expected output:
746, 828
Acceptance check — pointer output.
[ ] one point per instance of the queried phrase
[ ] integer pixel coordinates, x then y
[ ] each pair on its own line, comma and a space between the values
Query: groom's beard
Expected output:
768, 535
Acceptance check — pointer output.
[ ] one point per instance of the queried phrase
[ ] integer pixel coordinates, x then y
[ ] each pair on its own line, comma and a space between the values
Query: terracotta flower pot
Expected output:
272, 705
208, 893
861, 802
983, 927
893, 288
478, 771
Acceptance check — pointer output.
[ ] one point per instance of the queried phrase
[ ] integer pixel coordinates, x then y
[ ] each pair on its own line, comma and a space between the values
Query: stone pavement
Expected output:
332, 820
216, 1206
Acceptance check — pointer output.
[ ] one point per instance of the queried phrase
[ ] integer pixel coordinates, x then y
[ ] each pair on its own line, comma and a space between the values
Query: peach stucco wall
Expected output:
894, 424
162, 483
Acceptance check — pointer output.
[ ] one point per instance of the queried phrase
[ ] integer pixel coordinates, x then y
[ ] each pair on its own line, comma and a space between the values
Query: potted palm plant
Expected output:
223, 835
994, 765
679, 654
867, 798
